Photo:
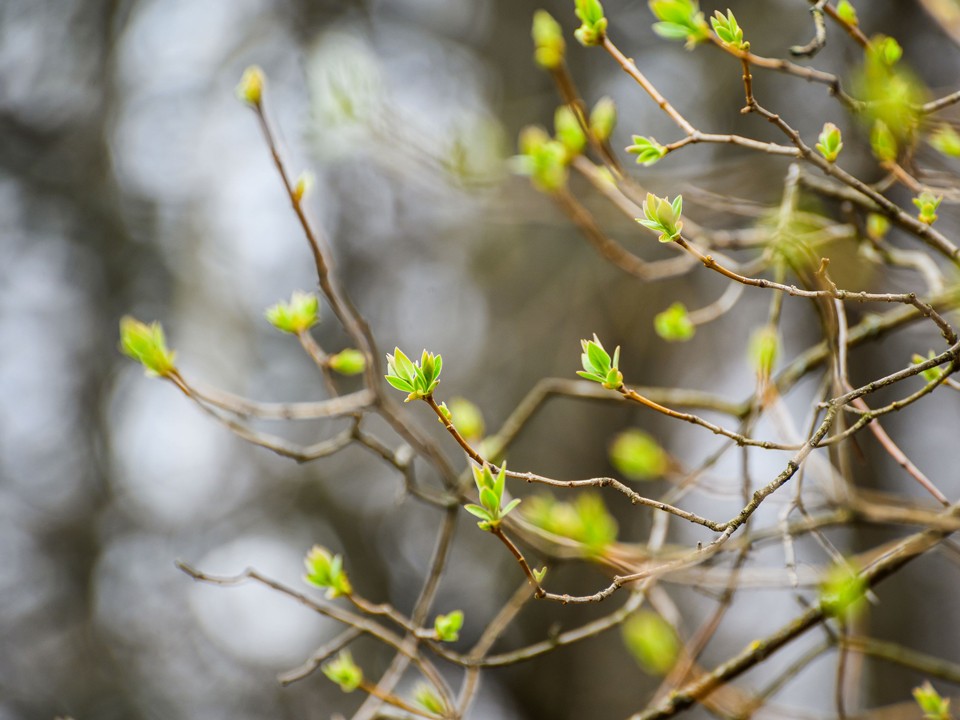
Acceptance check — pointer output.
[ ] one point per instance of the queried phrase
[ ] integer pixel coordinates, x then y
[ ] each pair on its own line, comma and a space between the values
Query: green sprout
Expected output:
663, 216
344, 671
429, 700
847, 12
946, 140
419, 379
883, 142
933, 374
593, 24
877, 226
891, 93
490, 510
638, 456
843, 592
147, 345
884, 49
250, 87
652, 641
303, 185
728, 29
680, 20
325, 570
598, 366
927, 204
674, 323
568, 131
467, 418
831, 142
547, 40
448, 626
586, 520
647, 150
933, 706
542, 159
348, 362
763, 350
297, 316
603, 118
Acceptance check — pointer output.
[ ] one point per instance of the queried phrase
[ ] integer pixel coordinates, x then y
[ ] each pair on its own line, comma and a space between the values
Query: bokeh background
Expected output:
132, 181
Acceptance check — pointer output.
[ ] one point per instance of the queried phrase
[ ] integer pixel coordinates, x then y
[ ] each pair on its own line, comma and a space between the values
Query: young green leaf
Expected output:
490, 488
647, 150
296, 316
250, 88
325, 570
147, 345
830, 142
542, 159
674, 324
603, 118
882, 142
847, 13
568, 131
593, 24
728, 30
763, 350
638, 456
931, 374
548, 42
927, 204
663, 216
652, 641
344, 671
843, 592
946, 140
428, 699
348, 362
680, 20
933, 706
598, 366
418, 379
448, 626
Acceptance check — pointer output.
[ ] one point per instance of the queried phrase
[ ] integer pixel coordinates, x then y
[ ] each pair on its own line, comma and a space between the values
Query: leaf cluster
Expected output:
490, 510
325, 570
147, 345
419, 379
663, 216
598, 366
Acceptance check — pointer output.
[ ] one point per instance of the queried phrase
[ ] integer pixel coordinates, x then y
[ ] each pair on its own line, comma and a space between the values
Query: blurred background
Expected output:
132, 181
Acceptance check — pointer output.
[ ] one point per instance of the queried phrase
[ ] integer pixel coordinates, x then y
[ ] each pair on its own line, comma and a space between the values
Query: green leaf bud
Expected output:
448, 626
598, 366
467, 418
568, 131
324, 570
652, 641
680, 20
547, 40
763, 350
931, 374
296, 316
250, 87
147, 345
429, 700
343, 671
927, 204
882, 142
877, 226
638, 456
830, 142
647, 150
946, 140
674, 324
349, 361
593, 24
663, 216
603, 118
843, 592
847, 13
934, 706
728, 30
